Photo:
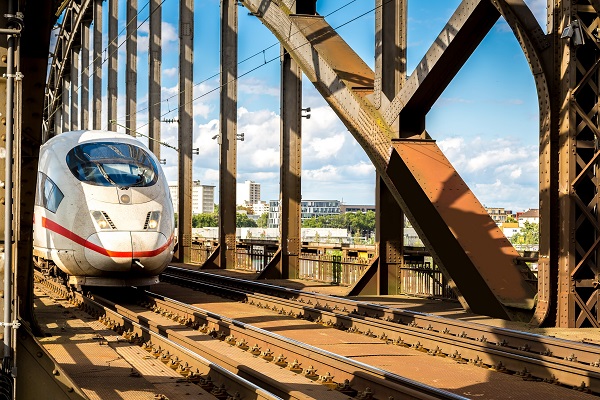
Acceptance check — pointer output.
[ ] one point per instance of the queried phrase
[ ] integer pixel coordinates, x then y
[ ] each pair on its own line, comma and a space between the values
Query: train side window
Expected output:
48, 195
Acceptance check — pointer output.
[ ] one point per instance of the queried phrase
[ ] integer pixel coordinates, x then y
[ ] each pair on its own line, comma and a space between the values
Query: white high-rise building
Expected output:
247, 193
203, 197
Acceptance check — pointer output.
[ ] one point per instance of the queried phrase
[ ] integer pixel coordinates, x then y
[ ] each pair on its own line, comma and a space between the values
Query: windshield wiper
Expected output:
105, 175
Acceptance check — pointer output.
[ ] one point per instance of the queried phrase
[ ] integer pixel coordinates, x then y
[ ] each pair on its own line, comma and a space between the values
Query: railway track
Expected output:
149, 319
530, 356
215, 380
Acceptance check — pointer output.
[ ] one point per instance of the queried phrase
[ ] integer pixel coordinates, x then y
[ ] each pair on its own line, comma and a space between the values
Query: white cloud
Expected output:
170, 72
510, 165
362, 169
264, 158
251, 85
327, 173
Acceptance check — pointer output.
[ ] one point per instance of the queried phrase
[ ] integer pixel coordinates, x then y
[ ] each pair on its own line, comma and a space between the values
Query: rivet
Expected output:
39, 354
55, 372
4, 58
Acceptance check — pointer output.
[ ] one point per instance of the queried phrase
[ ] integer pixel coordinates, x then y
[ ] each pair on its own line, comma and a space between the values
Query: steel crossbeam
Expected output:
566, 75
345, 81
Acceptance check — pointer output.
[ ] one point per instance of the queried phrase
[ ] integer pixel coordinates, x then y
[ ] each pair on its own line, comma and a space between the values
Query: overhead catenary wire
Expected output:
265, 62
105, 49
259, 52
262, 51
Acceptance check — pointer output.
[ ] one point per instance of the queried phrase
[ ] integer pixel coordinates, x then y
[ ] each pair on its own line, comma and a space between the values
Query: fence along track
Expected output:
211, 377
528, 355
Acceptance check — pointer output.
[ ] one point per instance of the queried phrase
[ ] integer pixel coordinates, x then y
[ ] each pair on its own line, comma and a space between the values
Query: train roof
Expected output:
67, 140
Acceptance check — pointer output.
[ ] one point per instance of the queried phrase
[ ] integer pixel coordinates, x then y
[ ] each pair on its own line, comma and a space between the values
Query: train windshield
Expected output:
112, 164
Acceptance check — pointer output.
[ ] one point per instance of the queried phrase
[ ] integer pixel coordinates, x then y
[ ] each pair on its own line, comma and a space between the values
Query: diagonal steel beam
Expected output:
472, 258
465, 30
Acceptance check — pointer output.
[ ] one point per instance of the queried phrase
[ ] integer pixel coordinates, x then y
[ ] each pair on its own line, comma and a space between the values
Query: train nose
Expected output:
152, 250
116, 251
109, 251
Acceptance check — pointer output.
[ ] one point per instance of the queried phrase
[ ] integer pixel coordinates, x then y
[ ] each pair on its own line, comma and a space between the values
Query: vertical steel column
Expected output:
7, 262
58, 121
291, 166
154, 81
113, 33
228, 134
84, 118
5, 300
97, 66
66, 105
131, 68
74, 89
390, 74
186, 123
577, 64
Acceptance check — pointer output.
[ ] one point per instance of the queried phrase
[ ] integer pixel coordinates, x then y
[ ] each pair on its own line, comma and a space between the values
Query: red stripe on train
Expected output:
54, 227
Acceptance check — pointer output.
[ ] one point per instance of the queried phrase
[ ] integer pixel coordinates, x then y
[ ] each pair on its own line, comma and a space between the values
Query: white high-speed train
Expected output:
103, 212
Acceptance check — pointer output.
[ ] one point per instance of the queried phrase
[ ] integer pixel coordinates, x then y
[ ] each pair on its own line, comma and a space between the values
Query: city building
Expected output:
309, 209
203, 197
532, 216
352, 208
510, 229
260, 208
498, 214
247, 193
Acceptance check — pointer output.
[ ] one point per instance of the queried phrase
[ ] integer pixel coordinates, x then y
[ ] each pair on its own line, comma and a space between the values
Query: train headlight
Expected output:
102, 220
152, 220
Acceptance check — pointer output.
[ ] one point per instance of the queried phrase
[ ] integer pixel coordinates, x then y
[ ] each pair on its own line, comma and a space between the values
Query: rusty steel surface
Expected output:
343, 78
348, 66
161, 344
366, 338
437, 186
578, 232
279, 349
543, 357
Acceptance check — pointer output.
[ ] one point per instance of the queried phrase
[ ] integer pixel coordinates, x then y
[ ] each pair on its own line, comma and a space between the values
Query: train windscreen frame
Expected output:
117, 164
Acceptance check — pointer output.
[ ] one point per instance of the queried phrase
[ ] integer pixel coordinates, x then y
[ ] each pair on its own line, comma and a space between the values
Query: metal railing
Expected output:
424, 279
333, 269
415, 278
253, 257
200, 253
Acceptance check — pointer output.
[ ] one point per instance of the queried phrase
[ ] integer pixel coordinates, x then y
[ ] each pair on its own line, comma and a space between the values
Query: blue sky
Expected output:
486, 121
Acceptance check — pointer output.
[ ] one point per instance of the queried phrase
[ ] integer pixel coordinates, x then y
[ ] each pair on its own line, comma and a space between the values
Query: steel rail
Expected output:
550, 359
210, 376
525, 341
383, 383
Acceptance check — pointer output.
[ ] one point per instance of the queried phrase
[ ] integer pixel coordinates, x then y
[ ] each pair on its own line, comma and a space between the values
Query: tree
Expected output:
243, 221
529, 234
249, 210
205, 220
510, 219
263, 220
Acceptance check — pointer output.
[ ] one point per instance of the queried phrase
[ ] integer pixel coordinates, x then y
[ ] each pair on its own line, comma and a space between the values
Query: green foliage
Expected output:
205, 220
359, 222
510, 219
263, 220
529, 234
249, 210
243, 221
